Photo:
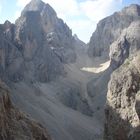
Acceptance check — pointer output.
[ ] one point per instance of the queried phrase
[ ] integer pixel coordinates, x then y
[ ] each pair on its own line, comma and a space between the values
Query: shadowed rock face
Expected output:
27, 56
109, 29
122, 110
11, 60
15, 125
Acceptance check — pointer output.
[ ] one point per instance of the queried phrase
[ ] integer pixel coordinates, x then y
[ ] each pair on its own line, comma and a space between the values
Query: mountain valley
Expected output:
62, 83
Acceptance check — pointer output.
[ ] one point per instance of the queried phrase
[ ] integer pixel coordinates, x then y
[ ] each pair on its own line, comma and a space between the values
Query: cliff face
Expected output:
56, 32
15, 125
126, 45
123, 107
37, 46
109, 29
118, 37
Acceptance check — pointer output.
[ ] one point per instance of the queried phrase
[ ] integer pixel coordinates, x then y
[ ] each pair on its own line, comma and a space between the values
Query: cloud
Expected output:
95, 10
83, 16
22, 3
65, 7
17, 14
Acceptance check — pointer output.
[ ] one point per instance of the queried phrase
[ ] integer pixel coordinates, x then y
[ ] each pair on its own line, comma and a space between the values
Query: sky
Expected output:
81, 16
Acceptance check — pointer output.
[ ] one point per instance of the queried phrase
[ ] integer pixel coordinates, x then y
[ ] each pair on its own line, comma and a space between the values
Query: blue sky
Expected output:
82, 16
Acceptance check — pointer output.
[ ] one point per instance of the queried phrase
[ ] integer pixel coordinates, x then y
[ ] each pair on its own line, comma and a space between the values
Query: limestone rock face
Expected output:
11, 60
15, 124
56, 32
126, 45
41, 63
122, 109
37, 46
109, 29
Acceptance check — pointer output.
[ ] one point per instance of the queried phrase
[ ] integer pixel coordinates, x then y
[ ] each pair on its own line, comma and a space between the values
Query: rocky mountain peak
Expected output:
38, 5
7, 23
30, 41
36, 1
133, 9
76, 37
34, 5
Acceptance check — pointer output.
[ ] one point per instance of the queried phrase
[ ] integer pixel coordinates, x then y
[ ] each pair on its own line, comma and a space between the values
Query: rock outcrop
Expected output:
11, 60
122, 109
126, 45
14, 124
109, 29
123, 46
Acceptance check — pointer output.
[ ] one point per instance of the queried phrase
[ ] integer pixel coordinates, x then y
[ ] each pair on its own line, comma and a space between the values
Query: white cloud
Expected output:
83, 16
64, 7
17, 14
22, 3
95, 10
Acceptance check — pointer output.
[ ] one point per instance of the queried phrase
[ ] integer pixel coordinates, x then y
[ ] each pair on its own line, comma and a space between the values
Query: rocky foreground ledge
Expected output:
14, 124
123, 102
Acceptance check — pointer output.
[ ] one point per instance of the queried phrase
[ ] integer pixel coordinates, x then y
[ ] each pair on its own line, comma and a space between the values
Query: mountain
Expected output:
123, 107
40, 43
36, 57
109, 29
14, 124
56, 32
49, 75
126, 45
123, 47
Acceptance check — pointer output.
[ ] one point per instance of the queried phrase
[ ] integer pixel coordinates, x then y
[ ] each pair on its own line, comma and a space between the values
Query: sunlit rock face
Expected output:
122, 109
116, 38
109, 29
126, 45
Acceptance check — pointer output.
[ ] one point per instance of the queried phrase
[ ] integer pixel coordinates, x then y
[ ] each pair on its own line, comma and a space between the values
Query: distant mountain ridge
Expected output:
109, 29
